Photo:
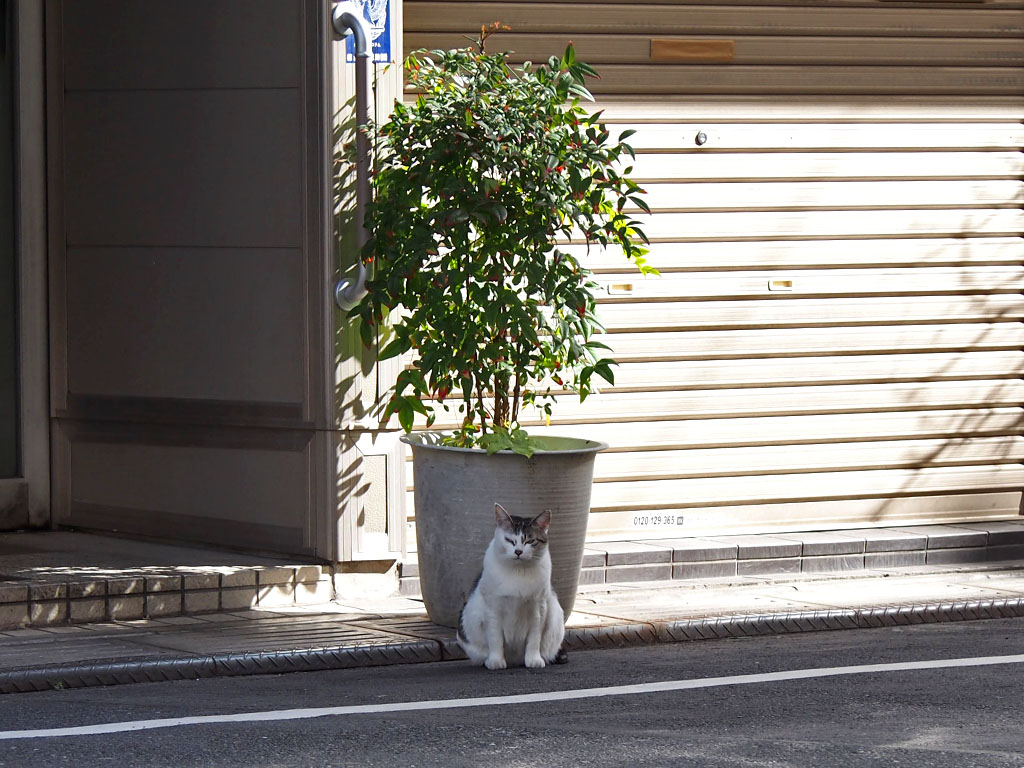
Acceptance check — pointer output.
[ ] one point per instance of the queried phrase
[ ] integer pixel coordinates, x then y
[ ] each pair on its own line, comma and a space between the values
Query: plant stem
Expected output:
480, 407
500, 402
515, 400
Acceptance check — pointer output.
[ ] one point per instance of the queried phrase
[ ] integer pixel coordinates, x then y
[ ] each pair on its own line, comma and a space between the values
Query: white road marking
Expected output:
492, 701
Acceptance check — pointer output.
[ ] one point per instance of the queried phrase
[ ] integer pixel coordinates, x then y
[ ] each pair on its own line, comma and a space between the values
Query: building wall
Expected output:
370, 461
835, 340
24, 497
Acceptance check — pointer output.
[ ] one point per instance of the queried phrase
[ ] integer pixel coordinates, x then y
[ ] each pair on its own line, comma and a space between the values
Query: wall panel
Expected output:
188, 215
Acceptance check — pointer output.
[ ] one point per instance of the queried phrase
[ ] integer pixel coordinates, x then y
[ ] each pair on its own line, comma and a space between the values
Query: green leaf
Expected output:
366, 333
515, 440
640, 203
406, 417
394, 349
603, 369
499, 212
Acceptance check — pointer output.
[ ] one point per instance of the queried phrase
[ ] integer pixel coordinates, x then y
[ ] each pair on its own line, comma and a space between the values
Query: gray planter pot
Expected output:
456, 489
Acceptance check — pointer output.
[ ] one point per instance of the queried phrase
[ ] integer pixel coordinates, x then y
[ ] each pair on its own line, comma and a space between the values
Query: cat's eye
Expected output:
531, 542
510, 541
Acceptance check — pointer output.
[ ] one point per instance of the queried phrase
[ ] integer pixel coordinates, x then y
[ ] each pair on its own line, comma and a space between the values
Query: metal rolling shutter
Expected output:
836, 337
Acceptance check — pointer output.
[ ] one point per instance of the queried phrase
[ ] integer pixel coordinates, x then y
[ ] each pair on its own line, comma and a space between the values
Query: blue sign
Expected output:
378, 13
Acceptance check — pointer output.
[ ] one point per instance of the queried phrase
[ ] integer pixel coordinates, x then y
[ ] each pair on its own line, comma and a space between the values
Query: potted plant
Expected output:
479, 186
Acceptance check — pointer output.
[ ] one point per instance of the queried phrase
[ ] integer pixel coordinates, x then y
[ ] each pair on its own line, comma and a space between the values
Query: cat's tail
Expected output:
562, 657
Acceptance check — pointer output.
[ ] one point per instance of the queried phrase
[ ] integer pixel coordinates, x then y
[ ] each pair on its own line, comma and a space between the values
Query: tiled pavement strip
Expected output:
395, 630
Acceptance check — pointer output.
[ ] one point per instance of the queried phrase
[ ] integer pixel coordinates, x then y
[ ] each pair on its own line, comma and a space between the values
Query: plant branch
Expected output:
476, 180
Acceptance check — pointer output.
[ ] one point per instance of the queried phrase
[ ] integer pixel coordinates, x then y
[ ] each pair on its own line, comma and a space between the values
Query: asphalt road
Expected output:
841, 714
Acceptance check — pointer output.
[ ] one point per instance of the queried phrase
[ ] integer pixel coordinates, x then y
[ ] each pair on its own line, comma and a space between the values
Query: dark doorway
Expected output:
8, 308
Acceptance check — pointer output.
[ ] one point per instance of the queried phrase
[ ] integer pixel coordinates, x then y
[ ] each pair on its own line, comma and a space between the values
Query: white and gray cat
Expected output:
512, 616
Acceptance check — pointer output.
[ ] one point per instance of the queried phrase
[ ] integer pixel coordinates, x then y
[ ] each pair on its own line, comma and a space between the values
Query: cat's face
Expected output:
521, 538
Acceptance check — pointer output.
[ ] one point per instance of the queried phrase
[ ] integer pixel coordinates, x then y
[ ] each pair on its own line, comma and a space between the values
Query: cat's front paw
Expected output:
535, 662
495, 662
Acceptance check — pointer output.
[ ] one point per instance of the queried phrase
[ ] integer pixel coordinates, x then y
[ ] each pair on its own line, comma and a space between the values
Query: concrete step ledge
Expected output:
161, 592
813, 553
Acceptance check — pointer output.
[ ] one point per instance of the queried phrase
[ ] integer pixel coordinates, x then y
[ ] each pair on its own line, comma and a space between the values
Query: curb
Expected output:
124, 671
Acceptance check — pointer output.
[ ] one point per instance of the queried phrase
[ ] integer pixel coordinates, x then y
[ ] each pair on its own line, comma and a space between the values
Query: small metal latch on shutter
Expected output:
780, 285
620, 289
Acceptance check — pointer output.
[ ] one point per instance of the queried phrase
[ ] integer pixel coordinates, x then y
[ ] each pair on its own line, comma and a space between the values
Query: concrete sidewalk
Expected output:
395, 630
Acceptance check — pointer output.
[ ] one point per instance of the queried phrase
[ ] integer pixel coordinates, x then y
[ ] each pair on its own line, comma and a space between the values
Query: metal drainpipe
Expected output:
348, 19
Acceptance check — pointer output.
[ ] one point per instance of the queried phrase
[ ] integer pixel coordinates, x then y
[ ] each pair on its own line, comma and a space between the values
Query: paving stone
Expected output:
761, 547
699, 550
141, 624
163, 604
632, 553
593, 558
275, 595
316, 591
628, 573
79, 589
893, 559
409, 568
25, 634
768, 567
77, 630
107, 627
13, 593
311, 574
1000, 533
409, 587
275, 576
412, 626
120, 607
190, 581
48, 592
1005, 533
828, 543
48, 612
949, 536
163, 583
890, 540
829, 563
270, 635
241, 578
590, 576
1008, 552
235, 599
87, 609
13, 615
180, 621
956, 555
220, 618
710, 569
126, 586
201, 601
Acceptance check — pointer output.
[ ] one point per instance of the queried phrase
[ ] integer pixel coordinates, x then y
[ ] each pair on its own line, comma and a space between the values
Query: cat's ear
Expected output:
502, 517
543, 520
